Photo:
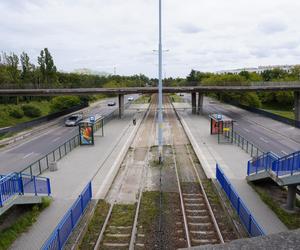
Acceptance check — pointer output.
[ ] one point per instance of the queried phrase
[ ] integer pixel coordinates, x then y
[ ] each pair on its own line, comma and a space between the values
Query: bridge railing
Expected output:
287, 165
262, 163
244, 214
61, 233
19, 184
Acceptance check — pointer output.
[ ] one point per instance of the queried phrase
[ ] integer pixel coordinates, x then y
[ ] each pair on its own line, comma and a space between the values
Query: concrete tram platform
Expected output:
233, 162
75, 170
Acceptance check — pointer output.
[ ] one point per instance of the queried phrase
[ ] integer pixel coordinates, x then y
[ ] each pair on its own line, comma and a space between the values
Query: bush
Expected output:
16, 113
251, 99
31, 111
60, 103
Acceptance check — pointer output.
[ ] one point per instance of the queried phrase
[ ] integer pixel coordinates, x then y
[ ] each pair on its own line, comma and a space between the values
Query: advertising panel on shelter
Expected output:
86, 134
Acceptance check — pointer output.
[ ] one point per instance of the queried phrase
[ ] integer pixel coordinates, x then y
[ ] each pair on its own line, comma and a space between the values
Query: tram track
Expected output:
201, 227
171, 209
116, 235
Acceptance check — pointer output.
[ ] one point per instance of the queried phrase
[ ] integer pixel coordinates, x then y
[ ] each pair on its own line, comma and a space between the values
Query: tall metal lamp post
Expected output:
160, 96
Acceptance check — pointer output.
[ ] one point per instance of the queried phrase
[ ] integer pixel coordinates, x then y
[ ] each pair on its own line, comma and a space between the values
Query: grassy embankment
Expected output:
8, 120
285, 112
291, 220
142, 99
21, 224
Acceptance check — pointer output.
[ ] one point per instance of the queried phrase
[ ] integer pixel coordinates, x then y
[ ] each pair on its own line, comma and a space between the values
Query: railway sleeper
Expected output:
205, 241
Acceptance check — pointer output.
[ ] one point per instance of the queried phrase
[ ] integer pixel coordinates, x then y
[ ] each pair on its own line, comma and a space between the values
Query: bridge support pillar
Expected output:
200, 103
121, 105
291, 198
194, 102
297, 105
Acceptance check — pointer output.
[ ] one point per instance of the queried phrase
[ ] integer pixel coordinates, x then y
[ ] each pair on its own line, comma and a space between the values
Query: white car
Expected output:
130, 98
73, 120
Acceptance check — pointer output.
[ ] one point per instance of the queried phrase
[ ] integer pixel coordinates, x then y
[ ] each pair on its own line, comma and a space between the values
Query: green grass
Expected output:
6, 120
285, 112
292, 221
176, 98
122, 215
90, 238
149, 209
22, 224
142, 99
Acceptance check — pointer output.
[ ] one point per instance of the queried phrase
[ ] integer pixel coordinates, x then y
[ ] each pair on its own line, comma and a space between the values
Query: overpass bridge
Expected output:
194, 90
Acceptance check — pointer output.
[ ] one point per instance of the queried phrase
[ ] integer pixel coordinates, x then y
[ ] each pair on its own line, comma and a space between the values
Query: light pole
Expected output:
160, 114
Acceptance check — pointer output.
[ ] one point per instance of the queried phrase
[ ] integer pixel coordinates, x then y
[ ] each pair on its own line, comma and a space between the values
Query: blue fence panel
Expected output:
35, 185
287, 165
18, 184
63, 230
77, 211
247, 219
261, 163
9, 187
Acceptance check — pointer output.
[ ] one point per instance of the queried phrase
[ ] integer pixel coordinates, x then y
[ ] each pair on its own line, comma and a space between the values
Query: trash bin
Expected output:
53, 166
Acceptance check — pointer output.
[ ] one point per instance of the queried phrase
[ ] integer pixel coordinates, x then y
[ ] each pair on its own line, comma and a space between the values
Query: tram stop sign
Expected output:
92, 119
219, 117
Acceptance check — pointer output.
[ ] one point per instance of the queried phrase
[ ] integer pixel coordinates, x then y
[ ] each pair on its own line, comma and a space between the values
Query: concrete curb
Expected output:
104, 188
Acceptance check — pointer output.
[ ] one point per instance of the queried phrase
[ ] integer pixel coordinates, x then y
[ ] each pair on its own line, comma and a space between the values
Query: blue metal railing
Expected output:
286, 165
246, 217
19, 184
261, 163
64, 229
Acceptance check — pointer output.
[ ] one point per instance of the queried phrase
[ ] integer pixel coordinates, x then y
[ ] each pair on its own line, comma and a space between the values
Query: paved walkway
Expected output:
233, 161
76, 169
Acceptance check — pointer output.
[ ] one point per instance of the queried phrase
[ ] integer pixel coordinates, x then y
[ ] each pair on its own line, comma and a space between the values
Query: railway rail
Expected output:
112, 235
201, 227
196, 223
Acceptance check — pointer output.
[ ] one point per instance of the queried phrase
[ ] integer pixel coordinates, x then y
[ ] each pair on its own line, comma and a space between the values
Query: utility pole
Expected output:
160, 114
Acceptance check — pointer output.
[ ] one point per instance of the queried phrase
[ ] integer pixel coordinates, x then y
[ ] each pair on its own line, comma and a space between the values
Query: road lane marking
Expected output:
263, 139
247, 130
27, 155
284, 152
56, 139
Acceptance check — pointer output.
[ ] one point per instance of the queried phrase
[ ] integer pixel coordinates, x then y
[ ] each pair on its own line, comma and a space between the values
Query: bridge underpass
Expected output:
194, 90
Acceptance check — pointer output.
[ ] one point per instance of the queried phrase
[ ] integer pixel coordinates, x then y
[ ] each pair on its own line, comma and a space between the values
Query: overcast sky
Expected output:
206, 35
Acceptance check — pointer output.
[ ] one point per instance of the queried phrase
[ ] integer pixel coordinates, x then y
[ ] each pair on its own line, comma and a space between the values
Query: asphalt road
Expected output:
17, 158
267, 134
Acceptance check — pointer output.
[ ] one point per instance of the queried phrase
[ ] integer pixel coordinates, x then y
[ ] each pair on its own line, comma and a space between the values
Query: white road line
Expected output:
27, 155
247, 130
263, 139
56, 139
284, 152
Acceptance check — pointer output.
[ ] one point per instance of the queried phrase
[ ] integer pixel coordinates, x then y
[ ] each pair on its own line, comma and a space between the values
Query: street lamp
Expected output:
160, 114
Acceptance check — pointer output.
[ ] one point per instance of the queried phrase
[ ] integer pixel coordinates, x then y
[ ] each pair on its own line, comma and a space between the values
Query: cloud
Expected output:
190, 28
271, 27
207, 35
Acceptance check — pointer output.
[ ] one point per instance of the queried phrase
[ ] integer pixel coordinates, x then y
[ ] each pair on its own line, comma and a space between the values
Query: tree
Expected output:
27, 68
12, 62
47, 68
